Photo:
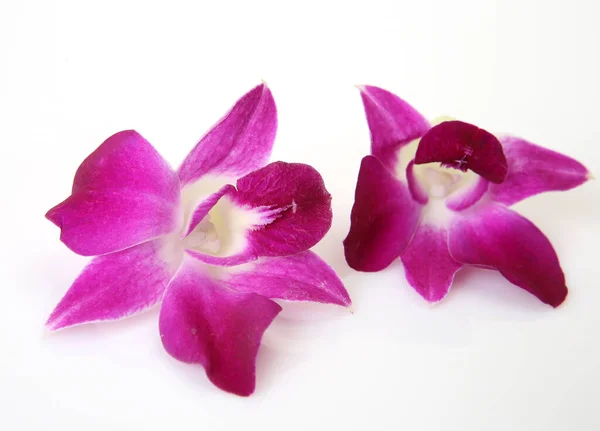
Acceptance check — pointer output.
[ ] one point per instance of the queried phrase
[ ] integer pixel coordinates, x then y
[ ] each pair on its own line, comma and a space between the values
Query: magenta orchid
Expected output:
215, 254
438, 197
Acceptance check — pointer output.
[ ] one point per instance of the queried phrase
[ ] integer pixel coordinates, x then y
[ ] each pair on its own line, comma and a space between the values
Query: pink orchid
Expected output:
438, 197
214, 254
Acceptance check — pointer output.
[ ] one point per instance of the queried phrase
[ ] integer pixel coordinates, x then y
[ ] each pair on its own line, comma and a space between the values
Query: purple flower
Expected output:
438, 197
214, 254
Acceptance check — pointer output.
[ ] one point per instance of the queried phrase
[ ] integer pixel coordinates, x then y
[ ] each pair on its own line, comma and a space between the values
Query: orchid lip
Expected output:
428, 176
462, 146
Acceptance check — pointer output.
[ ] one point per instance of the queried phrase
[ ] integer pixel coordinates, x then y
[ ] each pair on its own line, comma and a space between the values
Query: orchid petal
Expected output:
533, 169
301, 277
116, 285
279, 210
123, 194
239, 143
463, 146
300, 189
496, 237
428, 266
204, 323
393, 123
383, 219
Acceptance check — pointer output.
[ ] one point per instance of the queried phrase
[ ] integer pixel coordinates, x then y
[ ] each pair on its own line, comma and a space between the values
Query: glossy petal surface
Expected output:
301, 277
496, 237
428, 266
533, 169
123, 194
204, 323
383, 219
463, 146
239, 143
393, 123
116, 285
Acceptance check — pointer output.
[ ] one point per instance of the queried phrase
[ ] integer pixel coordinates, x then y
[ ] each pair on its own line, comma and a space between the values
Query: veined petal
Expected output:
204, 323
393, 123
117, 285
301, 277
463, 146
239, 143
298, 188
533, 169
428, 266
495, 237
279, 210
383, 219
123, 194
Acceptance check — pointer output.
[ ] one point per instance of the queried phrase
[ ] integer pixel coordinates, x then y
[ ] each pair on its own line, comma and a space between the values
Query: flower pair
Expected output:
223, 236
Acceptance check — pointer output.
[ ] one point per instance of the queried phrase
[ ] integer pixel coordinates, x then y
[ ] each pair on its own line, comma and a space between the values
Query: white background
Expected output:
489, 357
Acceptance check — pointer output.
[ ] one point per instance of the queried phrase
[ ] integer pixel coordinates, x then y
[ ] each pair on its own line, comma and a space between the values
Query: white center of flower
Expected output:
224, 230
432, 180
204, 237
439, 183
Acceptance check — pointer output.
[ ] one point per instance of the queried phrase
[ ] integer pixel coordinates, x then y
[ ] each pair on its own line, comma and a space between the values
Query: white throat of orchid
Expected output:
439, 183
205, 236
223, 230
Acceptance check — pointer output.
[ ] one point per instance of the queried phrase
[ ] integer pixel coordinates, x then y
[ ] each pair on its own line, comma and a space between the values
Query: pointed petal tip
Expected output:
53, 215
433, 302
55, 323
366, 89
258, 92
52, 325
129, 132
590, 176
343, 300
558, 300
263, 86
431, 299
227, 387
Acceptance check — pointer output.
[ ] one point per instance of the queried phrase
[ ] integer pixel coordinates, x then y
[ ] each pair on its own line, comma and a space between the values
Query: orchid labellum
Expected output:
215, 242
438, 198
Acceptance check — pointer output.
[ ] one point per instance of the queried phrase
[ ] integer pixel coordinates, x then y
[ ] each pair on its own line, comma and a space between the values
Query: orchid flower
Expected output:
438, 197
215, 254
